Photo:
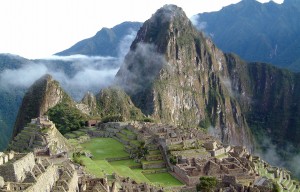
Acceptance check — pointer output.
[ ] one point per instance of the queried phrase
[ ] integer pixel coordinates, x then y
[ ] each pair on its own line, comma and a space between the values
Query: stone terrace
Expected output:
26, 172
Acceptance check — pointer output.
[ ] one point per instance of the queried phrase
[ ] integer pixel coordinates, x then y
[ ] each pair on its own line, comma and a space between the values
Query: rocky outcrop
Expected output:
175, 74
44, 94
88, 104
113, 102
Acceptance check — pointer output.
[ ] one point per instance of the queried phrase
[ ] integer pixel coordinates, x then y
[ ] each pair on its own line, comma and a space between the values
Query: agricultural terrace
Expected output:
109, 156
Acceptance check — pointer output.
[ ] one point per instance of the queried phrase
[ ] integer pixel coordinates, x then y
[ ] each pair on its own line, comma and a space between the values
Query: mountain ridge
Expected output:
262, 32
104, 42
44, 94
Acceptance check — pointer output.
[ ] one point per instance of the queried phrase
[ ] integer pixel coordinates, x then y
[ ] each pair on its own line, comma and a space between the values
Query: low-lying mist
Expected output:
286, 157
77, 74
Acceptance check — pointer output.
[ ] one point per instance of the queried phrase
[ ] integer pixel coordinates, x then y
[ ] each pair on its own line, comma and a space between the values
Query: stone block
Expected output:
212, 145
5, 158
11, 155
2, 183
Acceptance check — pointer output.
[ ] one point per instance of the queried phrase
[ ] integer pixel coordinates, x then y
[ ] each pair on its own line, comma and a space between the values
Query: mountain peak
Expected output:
159, 28
46, 77
44, 94
168, 12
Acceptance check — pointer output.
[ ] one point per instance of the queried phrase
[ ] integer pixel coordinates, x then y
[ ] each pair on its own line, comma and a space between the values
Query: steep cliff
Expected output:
44, 94
176, 75
269, 97
88, 105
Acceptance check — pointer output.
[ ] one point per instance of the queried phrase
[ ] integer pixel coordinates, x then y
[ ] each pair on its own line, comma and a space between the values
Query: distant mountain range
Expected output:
104, 43
264, 32
10, 99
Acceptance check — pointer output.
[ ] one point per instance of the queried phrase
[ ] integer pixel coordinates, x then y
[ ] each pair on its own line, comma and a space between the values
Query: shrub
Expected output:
147, 119
66, 117
112, 118
207, 184
173, 160
276, 187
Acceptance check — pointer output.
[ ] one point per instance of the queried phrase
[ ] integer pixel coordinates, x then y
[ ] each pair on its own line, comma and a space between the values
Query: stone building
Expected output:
26, 172
40, 136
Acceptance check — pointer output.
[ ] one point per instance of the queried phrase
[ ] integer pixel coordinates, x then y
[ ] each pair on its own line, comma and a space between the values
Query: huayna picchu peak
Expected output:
173, 73
180, 115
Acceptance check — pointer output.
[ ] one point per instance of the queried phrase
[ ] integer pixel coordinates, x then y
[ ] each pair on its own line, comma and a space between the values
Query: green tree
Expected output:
67, 117
276, 187
207, 184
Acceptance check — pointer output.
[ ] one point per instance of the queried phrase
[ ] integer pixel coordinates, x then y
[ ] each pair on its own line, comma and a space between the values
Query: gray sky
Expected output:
40, 28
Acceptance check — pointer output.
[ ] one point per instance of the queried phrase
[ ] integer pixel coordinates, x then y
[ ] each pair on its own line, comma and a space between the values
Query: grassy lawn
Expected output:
135, 142
137, 175
70, 135
103, 148
127, 163
163, 179
92, 167
140, 175
151, 162
105, 166
78, 133
128, 132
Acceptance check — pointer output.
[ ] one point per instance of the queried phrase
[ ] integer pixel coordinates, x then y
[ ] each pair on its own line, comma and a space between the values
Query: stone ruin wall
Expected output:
23, 165
4, 158
45, 181
68, 179
56, 143
17, 186
189, 180
73, 183
217, 152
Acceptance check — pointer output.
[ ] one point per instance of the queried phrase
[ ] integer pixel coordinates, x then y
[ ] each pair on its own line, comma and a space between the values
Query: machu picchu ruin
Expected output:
30, 173
40, 136
132, 156
188, 154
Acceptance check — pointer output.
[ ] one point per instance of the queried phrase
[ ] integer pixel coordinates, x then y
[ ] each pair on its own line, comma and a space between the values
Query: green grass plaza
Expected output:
106, 149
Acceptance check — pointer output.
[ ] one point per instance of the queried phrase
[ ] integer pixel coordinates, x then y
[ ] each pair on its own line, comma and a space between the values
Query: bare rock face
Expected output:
174, 74
44, 94
88, 105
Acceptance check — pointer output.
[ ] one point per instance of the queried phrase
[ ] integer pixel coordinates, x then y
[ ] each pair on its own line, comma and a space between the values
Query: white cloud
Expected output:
77, 74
